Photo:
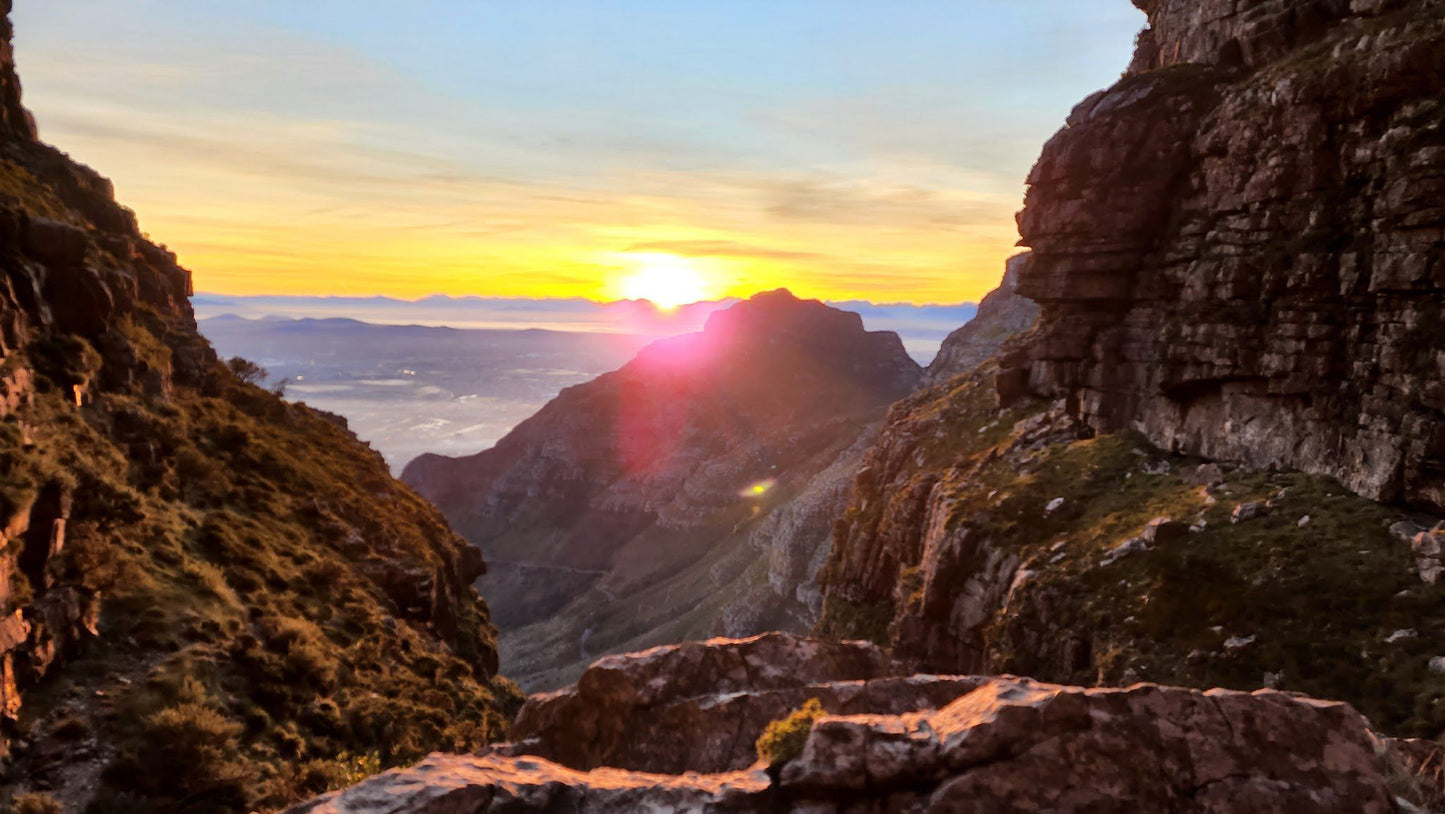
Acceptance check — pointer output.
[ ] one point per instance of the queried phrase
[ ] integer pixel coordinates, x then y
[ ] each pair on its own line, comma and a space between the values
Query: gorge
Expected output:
1159, 530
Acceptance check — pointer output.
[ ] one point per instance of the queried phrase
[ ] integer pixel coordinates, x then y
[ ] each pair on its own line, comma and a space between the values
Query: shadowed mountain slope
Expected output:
636, 508
210, 599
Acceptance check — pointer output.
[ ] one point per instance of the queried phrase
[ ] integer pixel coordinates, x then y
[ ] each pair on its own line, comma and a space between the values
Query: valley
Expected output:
1160, 525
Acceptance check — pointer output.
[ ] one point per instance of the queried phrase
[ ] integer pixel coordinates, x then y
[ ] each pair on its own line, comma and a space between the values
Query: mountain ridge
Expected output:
657, 472
205, 592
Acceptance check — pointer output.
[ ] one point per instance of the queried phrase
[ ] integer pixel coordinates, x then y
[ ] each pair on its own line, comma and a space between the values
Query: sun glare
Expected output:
666, 281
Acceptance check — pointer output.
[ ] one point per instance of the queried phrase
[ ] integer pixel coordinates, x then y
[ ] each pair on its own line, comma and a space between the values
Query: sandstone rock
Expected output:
1134, 545
1236, 248
1437, 665
55, 243
1248, 511
1013, 744
445, 784
1010, 745
1429, 548
1001, 315
701, 706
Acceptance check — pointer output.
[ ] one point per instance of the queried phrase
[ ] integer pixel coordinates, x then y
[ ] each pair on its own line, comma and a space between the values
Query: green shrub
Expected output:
188, 755
783, 740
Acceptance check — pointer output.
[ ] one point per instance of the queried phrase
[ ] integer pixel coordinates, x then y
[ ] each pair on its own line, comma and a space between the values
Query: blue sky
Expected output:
539, 147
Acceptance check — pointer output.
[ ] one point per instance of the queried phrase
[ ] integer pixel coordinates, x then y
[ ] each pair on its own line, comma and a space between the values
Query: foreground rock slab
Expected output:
1009, 745
701, 706
452, 784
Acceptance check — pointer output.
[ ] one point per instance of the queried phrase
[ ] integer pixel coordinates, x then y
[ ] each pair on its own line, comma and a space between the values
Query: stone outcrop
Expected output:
202, 546
1238, 248
1002, 744
453, 784
631, 510
701, 706
1002, 315
1016, 540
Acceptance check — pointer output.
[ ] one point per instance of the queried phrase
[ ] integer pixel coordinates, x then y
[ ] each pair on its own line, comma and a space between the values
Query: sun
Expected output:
665, 281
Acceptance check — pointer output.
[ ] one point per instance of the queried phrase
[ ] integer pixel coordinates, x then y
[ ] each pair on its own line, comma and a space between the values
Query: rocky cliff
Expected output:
922, 744
1238, 248
210, 599
1001, 315
1233, 249
690, 493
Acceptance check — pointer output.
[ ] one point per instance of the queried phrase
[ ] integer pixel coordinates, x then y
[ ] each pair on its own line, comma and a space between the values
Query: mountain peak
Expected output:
779, 314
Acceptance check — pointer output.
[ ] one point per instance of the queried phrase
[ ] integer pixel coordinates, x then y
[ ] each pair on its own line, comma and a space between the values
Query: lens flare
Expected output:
758, 490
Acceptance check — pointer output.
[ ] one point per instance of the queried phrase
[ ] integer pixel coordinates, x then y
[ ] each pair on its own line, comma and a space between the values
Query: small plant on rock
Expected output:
783, 740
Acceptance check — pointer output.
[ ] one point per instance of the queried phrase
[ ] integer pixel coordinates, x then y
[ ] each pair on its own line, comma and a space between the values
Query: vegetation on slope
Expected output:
211, 600
264, 620
1314, 594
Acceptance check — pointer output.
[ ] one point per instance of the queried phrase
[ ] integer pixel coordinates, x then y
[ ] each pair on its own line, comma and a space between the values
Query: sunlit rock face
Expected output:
1240, 248
701, 706
916, 744
1001, 315
683, 496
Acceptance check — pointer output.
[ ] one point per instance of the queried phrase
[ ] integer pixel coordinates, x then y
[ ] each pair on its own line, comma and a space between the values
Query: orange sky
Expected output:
549, 150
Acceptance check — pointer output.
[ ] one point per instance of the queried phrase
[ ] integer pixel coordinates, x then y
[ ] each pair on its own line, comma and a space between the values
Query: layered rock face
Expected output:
982, 745
1002, 315
185, 552
1016, 540
701, 706
685, 495
1240, 248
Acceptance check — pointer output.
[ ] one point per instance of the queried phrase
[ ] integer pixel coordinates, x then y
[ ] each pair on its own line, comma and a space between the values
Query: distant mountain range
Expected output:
922, 327
409, 389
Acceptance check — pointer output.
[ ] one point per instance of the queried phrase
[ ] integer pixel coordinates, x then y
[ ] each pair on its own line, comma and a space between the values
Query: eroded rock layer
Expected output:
1001, 744
701, 706
1240, 248
1001, 315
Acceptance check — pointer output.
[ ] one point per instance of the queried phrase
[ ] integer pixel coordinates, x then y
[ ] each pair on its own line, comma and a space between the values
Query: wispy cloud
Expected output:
334, 154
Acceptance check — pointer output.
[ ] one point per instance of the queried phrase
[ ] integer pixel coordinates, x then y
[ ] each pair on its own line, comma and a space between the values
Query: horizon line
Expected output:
587, 300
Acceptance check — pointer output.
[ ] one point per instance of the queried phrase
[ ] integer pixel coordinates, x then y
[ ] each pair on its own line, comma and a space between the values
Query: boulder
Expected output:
446, 784
1010, 745
1429, 549
1163, 531
1248, 511
701, 706
1017, 745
